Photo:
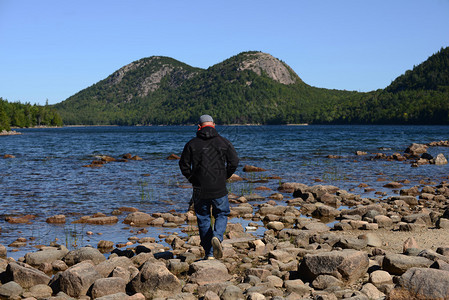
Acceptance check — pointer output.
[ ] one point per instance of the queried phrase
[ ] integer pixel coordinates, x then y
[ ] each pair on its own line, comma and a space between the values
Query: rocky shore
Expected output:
310, 248
12, 132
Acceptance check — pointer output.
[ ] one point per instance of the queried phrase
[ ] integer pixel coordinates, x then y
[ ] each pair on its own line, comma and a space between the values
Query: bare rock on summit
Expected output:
262, 62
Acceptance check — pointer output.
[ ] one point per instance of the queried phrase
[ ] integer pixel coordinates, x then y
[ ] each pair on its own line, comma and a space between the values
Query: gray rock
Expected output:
252, 280
323, 282
25, 275
231, 292
432, 255
363, 209
413, 218
41, 291
218, 288
443, 250
176, 266
371, 239
117, 296
442, 223
256, 296
351, 243
441, 265
316, 226
76, 280
397, 264
383, 221
277, 226
59, 265
439, 160
82, 254
275, 281
371, 291
272, 210
108, 286
258, 272
416, 149
297, 287
138, 219
106, 267
281, 255
408, 199
61, 296
47, 255
326, 211
346, 265
3, 251
201, 272
422, 283
210, 295
380, 277
155, 280
10, 290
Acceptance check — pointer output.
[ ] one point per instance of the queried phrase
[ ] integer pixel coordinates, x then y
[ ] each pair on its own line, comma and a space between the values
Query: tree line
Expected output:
16, 114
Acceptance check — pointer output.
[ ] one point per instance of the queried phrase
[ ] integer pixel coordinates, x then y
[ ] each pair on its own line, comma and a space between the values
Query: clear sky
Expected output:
51, 49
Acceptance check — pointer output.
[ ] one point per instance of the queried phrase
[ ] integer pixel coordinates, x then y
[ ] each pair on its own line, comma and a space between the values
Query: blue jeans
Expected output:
220, 211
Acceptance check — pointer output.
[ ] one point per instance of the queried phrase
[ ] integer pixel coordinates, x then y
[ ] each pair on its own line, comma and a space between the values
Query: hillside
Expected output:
253, 87
433, 74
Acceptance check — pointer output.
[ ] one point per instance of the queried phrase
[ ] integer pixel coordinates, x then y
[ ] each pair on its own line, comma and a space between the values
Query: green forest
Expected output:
161, 90
16, 114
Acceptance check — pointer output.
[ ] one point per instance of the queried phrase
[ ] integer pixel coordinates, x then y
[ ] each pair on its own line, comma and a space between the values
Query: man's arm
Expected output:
185, 162
232, 160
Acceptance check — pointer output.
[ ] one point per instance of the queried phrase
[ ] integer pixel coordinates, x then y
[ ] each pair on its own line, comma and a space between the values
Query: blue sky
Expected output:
53, 49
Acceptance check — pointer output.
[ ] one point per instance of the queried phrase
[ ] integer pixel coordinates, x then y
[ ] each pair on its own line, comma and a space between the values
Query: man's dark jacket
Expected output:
207, 161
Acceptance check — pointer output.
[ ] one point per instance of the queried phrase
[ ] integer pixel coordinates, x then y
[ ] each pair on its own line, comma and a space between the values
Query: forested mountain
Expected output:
433, 74
16, 114
254, 87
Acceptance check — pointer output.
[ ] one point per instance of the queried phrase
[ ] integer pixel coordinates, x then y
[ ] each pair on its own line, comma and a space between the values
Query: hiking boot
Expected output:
218, 250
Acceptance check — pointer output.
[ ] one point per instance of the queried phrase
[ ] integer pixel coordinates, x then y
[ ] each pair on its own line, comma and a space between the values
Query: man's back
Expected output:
207, 161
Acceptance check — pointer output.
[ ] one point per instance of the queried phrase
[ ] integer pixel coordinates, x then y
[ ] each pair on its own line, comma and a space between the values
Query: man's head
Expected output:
205, 120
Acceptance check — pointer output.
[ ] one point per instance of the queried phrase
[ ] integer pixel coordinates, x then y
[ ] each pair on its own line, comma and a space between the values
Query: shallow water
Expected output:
47, 176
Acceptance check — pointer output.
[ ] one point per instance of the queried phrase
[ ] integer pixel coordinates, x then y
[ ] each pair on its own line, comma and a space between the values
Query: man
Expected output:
207, 161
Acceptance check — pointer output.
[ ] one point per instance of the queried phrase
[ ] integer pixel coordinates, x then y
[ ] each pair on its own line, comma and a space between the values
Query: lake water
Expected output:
47, 176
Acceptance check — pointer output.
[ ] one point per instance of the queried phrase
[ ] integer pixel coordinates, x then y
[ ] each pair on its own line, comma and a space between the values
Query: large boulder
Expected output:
416, 149
46, 255
106, 267
25, 275
10, 290
82, 254
155, 281
138, 219
422, 283
201, 272
439, 160
347, 265
77, 280
40, 291
108, 286
397, 264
